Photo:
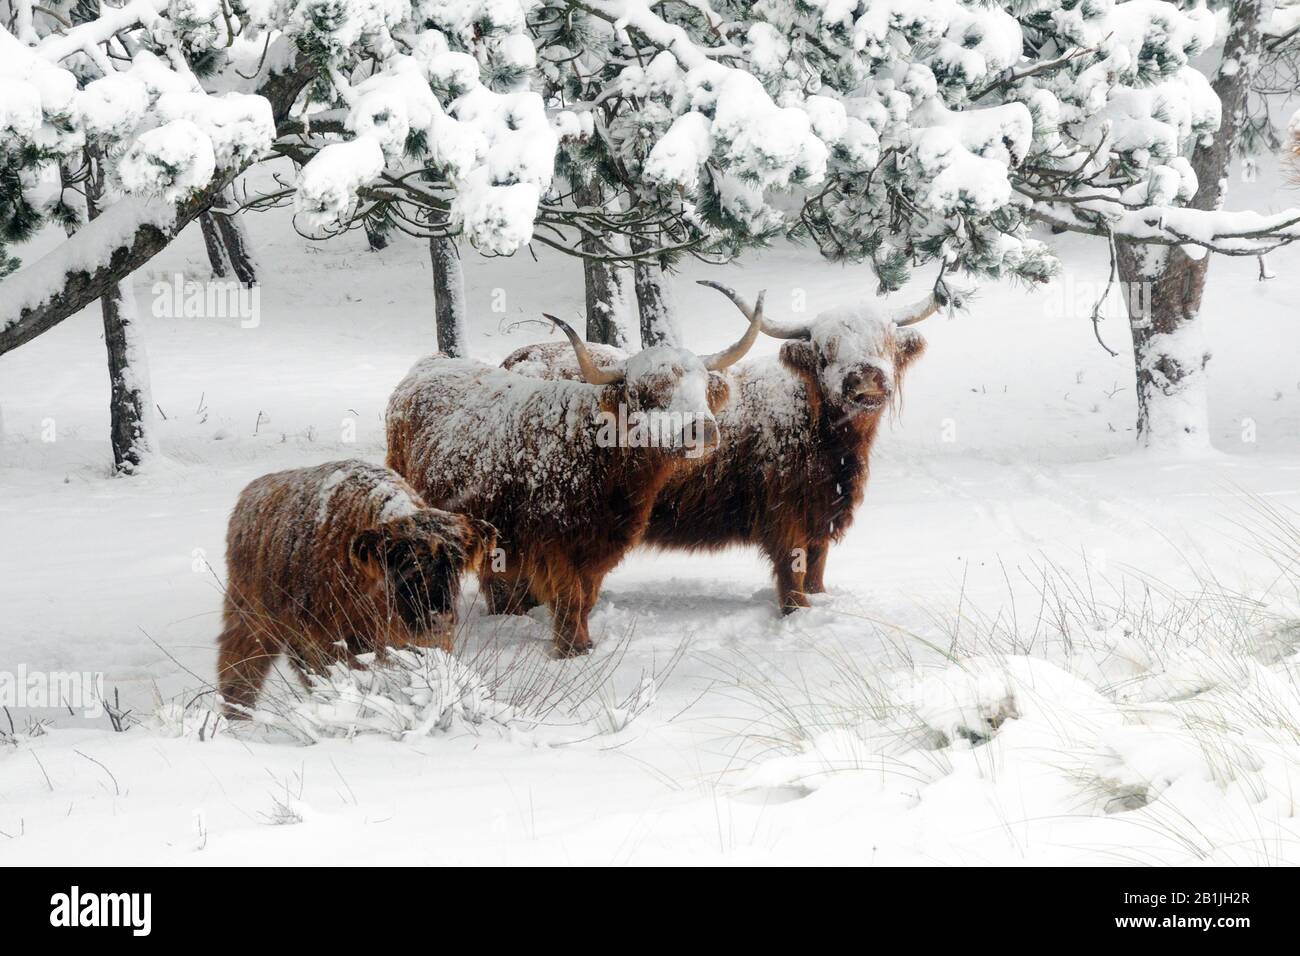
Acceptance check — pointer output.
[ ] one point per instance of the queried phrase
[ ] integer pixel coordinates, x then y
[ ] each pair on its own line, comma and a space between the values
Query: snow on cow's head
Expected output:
662, 396
856, 357
853, 358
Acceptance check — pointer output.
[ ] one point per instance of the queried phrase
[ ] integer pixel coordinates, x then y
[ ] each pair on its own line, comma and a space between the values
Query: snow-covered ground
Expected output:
928, 710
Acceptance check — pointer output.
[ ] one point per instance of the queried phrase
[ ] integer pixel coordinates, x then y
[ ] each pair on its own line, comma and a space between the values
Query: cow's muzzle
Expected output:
867, 391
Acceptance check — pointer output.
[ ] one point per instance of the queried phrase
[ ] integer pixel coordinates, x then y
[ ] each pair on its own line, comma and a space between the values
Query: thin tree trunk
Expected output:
449, 298
234, 238
655, 306
1165, 285
212, 243
605, 282
128, 369
1164, 288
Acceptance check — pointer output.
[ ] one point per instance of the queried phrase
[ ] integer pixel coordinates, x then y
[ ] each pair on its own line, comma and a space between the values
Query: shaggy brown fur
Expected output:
528, 456
555, 360
329, 562
795, 444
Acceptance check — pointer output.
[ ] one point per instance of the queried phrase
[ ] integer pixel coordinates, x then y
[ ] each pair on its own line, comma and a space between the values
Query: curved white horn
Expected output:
773, 329
594, 375
730, 356
918, 312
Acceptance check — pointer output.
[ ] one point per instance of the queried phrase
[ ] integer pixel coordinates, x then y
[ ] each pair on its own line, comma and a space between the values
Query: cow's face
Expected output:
672, 392
415, 562
666, 398
855, 361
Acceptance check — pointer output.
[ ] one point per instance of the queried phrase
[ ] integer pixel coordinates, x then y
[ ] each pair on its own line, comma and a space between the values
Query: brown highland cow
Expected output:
550, 465
329, 562
795, 440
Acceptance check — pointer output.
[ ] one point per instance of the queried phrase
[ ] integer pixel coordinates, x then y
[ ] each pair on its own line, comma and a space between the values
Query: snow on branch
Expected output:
1242, 233
118, 88
77, 272
425, 107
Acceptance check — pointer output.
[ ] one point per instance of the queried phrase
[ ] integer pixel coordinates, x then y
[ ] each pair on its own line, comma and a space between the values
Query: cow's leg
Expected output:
569, 610
790, 562
505, 594
243, 661
814, 579
593, 590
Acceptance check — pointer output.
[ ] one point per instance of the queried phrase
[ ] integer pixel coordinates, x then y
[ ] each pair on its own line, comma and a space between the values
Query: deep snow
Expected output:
1013, 447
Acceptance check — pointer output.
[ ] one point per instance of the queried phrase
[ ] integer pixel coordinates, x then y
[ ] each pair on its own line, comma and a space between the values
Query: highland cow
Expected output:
334, 561
545, 464
795, 440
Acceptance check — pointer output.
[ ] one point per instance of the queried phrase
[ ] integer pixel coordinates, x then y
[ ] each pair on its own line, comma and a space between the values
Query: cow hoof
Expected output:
794, 602
572, 650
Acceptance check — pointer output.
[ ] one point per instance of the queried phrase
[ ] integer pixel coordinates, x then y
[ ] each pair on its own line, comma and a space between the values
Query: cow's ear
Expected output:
909, 345
366, 553
799, 356
719, 391
611, 396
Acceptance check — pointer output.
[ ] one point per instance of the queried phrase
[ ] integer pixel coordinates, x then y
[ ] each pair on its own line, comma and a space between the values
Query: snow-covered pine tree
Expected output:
178, 97
938, 131
725, 125
1135, 147
612, 218
424, 125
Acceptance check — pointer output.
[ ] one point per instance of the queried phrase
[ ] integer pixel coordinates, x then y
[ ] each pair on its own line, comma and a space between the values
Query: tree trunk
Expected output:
449, 298
604, 282
234, 238
212, 243
654, 302
129, 404
128, 372
1165, 285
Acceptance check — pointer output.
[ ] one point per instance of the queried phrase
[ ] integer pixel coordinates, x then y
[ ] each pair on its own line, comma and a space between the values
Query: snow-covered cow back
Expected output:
538, 459
795, 439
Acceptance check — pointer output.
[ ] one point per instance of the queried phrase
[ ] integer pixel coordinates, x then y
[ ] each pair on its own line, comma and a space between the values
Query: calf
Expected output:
329, 562
795, 440
549, 465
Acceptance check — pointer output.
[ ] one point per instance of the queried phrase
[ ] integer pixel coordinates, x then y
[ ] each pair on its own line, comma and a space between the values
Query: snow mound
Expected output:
1199, 754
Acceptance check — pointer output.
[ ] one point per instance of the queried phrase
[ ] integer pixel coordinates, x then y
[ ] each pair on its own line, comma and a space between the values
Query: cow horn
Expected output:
730, 356
767, 327
918, 312
594, 375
